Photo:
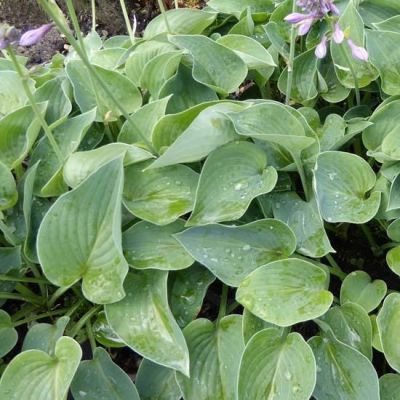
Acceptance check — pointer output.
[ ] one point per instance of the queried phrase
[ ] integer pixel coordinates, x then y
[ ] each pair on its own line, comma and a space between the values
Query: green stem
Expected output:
25, 291
335, 270
19, 172
375, 248
90, 336
74, 308
127, 21
37, 275
82, 54
56, 295
9, 278
93, 15
232, 307
81, 323
353, 73
389, 245
39, 316
223, 303
19, 297
303, 177
38, 113
291, 58
163, 12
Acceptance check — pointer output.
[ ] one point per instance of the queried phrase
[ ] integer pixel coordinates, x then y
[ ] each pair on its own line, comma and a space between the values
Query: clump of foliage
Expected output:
221, 196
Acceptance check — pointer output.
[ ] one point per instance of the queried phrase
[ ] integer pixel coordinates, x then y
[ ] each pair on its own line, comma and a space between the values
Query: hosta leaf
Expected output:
102, 379
358, 288
80, 237
286, 292
374, 11
391, 24
145, 323
342, 372
109, 59
253, 53
10, 262
364, 71
213, 64
276, 367
8, 334
215, 351
388, 325
231, 253
232, 176
150, 246
181, 21
12, 92
143, 121
252, 325
237, 7
88, 94
394, 195
389, 386
186, 292
68, 136
159, 196
380, 50
45, 336
104, 334
305, 220
342, 181
83, 163
210, 129
36, 375
393, 259
155, 382
351, 325
18, 131
8, 188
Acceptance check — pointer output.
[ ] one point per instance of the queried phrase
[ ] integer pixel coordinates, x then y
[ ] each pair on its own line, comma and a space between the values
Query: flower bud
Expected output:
322, 48
295, 18
358, 53
34, 36
338, 34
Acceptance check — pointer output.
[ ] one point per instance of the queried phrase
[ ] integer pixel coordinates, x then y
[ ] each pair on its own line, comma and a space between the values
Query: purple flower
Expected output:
322, 48
359, 53
34, 36
295, 18
8, 35
338, 34
305, 26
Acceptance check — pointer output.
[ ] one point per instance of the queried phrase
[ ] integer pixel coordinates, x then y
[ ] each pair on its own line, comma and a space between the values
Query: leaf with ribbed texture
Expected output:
389, 386
34, 374
342, 372
80, 237
237, 7
180, 21
341, 182
150, 246
88, 94
388, 325
276, 367
102, 379
231, 253
286, 292
186, 292
18, 132
49, 179
83, 163
214, 65
8, 334
145, 323
232, 176
162, 195
351, 325
210, 129
252, 324
359, 288
8, 188
155, 382
215, 351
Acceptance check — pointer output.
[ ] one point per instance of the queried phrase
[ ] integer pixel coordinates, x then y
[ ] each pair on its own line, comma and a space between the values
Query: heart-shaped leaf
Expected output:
278, 367
393, 259
8, 334
342, 182
242, 169
36, 375
102, 379
150, 246
286, 292
145, 323
215, 351
231, 253
80, 237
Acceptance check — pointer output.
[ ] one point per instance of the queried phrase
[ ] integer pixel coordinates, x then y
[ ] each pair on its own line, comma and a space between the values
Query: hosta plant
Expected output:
209, 210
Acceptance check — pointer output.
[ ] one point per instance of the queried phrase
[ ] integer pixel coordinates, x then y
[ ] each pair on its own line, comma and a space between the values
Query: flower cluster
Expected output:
9, 35
314, 10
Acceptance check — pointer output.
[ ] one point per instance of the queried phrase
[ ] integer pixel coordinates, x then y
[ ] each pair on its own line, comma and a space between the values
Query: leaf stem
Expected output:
177, 4
90, 336
19, 297
93, 15
10, 278
335, 270
127, 21
163, 12
375, 248
223, 303
35, 108
353, 73
56, 295
37, 275
81, 323
291, 58
39, 316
